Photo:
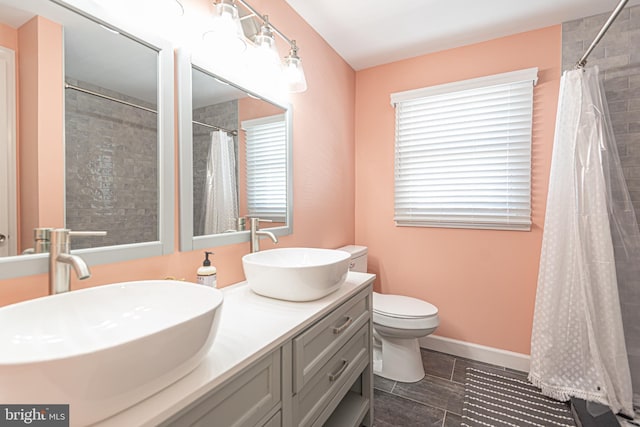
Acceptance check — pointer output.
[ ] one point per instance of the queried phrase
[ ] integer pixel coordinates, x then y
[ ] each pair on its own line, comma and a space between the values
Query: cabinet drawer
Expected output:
314, 346
351, 359
244, 401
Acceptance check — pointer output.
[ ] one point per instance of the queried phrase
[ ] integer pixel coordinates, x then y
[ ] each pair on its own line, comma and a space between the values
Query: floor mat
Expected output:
492, 399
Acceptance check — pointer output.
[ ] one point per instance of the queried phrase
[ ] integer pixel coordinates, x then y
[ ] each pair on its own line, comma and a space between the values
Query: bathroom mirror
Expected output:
91, 133
235, 159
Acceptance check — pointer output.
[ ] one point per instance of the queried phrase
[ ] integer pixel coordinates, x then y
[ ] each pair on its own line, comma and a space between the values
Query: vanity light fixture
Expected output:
179, 8
170, 8
266, 43
293, 72
263, 57
264, 46
226, 33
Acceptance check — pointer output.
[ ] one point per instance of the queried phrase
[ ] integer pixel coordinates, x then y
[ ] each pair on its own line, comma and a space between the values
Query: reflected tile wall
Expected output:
111, 168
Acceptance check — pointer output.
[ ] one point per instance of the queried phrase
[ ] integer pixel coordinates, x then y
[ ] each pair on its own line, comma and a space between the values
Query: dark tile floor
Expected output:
436, 400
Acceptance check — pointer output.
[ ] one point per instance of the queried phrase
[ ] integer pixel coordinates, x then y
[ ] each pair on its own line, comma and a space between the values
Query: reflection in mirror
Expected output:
215, 154
111, 136
235, 159
239, 157
89, 129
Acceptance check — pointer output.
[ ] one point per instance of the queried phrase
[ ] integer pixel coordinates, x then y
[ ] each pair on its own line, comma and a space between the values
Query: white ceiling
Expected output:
364, 32
367, 33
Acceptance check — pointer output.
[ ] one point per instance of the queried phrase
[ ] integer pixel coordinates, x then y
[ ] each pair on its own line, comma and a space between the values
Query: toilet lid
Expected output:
402, 306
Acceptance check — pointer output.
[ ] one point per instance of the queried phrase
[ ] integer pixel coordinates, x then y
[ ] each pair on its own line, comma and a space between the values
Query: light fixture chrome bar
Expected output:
583, 61
261, 17
232, 132
181, 7
99, 95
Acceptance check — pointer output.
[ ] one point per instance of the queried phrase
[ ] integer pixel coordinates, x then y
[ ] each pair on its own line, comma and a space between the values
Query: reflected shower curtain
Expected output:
578, 344
221, 191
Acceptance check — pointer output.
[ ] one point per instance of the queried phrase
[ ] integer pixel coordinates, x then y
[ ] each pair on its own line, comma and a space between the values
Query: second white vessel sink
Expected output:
296, 274
103, 349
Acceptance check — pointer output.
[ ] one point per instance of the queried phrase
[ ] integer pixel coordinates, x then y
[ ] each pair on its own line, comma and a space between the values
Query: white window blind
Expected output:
266, 171
463, 153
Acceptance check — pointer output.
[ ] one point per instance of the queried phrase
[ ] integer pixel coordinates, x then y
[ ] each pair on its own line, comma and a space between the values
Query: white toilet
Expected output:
398, 322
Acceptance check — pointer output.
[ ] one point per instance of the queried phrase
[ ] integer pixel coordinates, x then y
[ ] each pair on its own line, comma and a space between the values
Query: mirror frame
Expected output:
27, 265
188, 242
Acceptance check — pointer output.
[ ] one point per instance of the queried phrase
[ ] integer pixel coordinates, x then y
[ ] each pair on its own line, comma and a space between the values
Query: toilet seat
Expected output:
402, 307
416, 323
402, 312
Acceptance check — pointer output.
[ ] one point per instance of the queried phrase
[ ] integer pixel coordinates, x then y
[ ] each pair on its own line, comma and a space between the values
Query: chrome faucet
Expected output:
41, 241
60, 259
254, 242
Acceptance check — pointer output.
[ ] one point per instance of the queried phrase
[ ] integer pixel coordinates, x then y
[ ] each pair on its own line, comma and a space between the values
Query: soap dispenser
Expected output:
207, 273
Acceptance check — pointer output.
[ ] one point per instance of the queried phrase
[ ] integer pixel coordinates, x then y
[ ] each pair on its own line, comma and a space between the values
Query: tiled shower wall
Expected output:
111, 154
224, 115
618, 57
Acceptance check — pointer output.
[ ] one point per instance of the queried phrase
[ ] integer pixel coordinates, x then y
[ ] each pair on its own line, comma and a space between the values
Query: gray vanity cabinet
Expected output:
331, 366
251, 398
322, 376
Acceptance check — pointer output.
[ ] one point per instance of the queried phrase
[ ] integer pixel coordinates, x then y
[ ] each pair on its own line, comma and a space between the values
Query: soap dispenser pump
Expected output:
207, 273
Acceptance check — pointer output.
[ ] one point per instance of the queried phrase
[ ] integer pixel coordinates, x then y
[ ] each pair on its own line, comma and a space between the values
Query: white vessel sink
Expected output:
296, 274
103, 349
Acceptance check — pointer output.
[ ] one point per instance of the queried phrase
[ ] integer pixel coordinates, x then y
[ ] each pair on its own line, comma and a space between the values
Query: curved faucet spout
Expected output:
60, 259
269, 234
79, 266
256, 233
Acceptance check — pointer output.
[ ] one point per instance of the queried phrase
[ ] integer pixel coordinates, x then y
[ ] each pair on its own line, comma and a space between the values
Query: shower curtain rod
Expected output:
232, 132
99, 95
583, 61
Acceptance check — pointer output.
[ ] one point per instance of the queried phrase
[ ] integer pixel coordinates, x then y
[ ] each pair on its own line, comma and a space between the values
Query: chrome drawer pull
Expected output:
335, 376
345, 325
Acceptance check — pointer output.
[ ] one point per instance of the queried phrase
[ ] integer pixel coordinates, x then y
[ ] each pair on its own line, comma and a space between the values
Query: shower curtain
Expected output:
578, 345
220, 207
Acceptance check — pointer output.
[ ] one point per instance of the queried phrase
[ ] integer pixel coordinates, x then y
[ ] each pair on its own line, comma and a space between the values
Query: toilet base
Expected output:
398, 359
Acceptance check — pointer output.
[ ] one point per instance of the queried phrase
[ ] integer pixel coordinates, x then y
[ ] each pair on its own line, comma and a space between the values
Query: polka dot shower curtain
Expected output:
220, 207
578, 344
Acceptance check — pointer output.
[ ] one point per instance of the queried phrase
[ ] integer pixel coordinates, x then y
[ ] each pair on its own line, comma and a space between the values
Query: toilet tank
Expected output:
358, 257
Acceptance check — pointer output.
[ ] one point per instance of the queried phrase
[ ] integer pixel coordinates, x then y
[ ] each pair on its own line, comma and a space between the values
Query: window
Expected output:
266, 157
463, 153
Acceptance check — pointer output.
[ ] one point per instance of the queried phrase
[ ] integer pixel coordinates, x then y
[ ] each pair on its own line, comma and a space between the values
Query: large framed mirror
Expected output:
90, 123
235, 159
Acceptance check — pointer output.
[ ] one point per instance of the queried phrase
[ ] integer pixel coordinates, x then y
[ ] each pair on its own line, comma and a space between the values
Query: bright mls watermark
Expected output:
34, 415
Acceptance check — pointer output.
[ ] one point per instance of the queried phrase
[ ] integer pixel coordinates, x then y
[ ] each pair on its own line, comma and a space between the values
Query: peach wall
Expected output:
8, 37
324, 176
50, 123
482, 281
28, 141
40, 153
9, 40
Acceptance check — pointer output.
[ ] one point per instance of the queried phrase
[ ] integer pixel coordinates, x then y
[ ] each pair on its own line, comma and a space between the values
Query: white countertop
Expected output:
250, 327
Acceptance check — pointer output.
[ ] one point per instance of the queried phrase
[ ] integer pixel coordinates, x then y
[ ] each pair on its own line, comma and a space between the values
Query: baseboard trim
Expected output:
481, 353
